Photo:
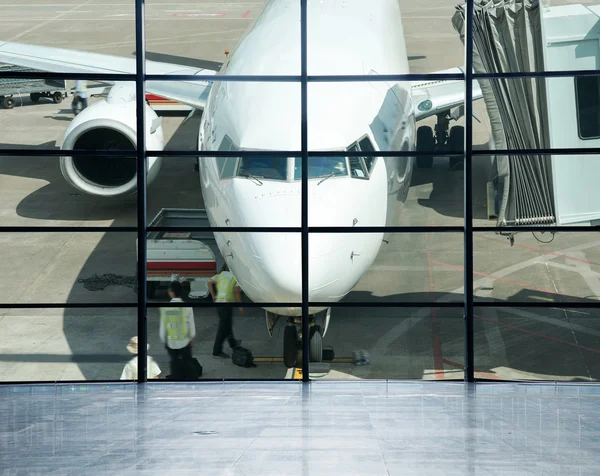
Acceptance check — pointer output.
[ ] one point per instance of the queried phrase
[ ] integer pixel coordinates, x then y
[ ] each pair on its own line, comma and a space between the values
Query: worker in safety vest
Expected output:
227, 290
177, 331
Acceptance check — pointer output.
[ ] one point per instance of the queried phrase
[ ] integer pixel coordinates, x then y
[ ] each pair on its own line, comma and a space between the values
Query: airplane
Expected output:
351, 37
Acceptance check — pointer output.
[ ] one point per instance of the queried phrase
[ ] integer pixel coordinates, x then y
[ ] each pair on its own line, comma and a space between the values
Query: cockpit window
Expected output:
321, 167
366, 145
227, 165
273, 168
361, 167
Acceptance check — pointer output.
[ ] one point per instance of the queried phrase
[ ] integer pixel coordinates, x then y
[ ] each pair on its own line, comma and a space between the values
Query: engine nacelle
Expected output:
110, 125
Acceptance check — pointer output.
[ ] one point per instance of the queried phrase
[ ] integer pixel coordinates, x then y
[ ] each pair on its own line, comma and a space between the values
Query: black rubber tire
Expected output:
456, 142
316, 344
151, 289
57, 97
425, 142
290, 346
8, 103
35, 97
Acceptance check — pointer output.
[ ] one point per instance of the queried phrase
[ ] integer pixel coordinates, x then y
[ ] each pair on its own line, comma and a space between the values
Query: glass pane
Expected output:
394, 267
66, 344
541, 266
395, 343
536, 190
561, 36
249, 192
69, 114
222, 37
275, 356
36, 191
537, 344
555, 113
267, 266
85, 32
68, 268
393, 194
418, 38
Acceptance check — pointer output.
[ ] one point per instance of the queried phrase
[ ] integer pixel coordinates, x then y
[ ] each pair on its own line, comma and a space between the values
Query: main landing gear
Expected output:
443, 141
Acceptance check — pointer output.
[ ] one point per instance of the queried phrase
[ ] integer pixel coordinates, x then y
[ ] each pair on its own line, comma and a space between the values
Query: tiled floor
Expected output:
322, 428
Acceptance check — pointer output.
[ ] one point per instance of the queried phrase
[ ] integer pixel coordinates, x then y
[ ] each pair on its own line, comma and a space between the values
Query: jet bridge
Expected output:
525, 36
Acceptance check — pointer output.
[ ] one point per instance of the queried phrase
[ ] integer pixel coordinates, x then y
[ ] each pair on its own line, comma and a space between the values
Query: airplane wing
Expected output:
434, 97
45, 58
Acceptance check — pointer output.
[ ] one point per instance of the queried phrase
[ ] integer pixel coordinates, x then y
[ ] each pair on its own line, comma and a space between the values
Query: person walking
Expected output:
177, 331
130, 371
227, 290
80, 98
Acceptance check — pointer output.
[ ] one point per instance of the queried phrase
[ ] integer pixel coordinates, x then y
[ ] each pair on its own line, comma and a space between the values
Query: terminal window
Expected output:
588, 106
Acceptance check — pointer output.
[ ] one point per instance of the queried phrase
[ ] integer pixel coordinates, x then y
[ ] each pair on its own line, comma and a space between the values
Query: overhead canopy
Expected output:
507, 38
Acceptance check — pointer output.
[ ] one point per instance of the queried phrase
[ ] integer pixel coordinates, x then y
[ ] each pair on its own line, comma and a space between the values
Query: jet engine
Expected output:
110, 125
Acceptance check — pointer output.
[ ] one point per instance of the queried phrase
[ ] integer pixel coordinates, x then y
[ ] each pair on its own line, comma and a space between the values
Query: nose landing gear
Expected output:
292, 342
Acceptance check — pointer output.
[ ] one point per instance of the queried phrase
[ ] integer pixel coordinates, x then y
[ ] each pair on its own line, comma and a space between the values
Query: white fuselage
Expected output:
350, 37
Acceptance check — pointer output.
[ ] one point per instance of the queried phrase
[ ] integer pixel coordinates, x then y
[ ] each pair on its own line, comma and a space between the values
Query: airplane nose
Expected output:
332, 271
280, 265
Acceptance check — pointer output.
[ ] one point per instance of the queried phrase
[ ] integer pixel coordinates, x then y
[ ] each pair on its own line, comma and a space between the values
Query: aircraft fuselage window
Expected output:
587, 92
321, 167
227, 165
273, 168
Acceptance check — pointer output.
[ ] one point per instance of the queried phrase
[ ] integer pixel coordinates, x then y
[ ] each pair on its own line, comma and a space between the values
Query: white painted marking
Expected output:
57, 17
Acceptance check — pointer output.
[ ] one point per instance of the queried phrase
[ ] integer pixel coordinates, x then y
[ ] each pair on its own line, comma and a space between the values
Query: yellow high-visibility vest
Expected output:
225, 284
175, 322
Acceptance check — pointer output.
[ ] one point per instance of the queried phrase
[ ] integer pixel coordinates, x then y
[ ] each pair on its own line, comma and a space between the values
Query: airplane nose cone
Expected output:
332, 270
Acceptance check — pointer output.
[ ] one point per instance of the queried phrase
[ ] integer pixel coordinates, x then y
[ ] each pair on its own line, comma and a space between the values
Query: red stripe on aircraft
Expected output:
155, 265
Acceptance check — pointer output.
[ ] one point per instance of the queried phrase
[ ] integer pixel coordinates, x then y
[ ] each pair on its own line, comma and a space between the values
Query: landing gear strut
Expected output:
446, 139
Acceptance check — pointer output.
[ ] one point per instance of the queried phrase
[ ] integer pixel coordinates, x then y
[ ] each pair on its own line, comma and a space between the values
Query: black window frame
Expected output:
142, 228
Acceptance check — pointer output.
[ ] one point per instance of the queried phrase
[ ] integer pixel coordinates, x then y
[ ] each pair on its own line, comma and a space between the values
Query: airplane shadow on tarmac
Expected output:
562, 343
447, 194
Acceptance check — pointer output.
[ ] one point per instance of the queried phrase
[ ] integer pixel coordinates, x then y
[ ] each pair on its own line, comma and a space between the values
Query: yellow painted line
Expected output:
337, 360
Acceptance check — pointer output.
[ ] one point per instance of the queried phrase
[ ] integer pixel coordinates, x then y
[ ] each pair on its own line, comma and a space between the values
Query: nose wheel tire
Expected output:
151, 289
425, 143
456, 143
290, 346
316, 344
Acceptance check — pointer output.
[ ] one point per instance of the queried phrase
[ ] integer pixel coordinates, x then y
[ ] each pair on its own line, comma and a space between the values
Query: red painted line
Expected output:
154, 265
498, 278
484, 374
436, 341
198, 15
537, 334
538, 250
245, 15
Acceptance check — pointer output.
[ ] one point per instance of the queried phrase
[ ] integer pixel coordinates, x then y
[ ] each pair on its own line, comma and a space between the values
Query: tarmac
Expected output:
408, 343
